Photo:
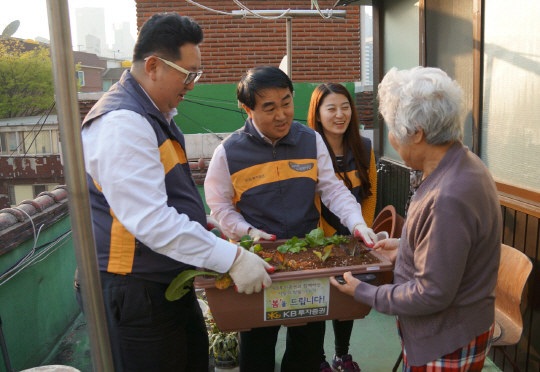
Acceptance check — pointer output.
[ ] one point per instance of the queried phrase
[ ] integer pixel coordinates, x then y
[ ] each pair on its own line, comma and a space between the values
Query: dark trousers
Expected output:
342, 336
302, 353
149, 333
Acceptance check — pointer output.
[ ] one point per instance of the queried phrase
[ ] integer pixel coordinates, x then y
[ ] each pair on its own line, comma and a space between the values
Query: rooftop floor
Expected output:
374, 345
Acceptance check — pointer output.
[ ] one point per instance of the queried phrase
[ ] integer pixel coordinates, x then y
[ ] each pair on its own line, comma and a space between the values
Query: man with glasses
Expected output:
148, 217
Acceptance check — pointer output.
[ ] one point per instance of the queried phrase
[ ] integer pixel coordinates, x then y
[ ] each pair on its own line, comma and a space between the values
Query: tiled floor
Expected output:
374, 345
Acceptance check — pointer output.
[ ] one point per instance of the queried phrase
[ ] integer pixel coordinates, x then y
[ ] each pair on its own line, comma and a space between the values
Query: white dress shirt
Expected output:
219, 192
122, 156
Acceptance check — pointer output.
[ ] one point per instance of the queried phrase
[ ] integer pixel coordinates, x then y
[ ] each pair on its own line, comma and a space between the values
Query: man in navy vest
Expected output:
262, 181
149, 219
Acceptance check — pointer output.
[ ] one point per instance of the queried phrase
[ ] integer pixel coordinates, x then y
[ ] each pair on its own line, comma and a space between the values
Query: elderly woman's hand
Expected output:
348, 287
388, 248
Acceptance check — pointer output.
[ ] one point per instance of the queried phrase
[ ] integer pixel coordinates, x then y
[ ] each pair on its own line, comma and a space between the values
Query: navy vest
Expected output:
118, 250
275, 185
328, 217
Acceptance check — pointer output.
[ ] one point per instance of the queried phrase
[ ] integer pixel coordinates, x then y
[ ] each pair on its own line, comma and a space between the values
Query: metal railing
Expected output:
393, 180
522, 231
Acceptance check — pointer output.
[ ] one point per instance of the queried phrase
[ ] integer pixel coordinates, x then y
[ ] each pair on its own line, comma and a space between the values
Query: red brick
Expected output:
259, 41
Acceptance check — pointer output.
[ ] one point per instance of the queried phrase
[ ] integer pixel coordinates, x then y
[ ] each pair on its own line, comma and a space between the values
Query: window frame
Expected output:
514, 197
21, 149
11, 195
80, 76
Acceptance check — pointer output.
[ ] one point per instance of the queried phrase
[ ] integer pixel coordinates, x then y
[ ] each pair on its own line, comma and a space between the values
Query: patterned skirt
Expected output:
469, 358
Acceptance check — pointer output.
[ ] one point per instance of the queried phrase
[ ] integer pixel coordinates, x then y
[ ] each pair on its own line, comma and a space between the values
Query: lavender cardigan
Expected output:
448, 260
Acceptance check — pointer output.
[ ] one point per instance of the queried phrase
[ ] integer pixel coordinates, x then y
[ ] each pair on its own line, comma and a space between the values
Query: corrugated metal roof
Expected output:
28, 120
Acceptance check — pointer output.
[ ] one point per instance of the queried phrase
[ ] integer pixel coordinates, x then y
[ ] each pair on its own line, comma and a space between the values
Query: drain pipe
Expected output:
65, 88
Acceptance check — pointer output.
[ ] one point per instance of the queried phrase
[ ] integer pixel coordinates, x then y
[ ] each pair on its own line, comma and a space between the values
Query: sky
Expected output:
34, 20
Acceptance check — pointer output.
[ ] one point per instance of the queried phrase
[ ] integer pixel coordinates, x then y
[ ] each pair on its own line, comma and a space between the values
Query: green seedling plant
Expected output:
316, 238
216, 232
293, 245
327, 253
247, 242
335, 239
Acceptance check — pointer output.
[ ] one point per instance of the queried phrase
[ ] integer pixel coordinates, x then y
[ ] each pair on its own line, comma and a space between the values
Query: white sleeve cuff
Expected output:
222, 257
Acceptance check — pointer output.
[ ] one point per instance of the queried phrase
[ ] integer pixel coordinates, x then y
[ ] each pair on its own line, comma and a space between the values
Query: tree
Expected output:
26, 80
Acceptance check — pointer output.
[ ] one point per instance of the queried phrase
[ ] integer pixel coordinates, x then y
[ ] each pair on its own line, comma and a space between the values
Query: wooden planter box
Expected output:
235, 311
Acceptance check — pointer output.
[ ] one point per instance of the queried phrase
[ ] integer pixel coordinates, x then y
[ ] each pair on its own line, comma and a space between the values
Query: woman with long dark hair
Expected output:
332, 113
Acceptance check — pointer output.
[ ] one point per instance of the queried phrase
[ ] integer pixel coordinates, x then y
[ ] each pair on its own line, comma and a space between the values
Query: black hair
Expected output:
164, 33
257, 80
351, 138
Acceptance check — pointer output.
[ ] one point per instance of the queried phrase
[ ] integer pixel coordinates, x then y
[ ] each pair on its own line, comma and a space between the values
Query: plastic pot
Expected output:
233, 311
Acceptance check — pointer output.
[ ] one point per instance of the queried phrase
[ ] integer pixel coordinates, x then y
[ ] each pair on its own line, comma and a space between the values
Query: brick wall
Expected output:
84, 107
323, 50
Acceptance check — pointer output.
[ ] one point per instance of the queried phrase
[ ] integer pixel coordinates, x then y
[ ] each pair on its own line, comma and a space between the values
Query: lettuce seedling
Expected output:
327, 253
335, 239
315, 238
247, 242
294, 246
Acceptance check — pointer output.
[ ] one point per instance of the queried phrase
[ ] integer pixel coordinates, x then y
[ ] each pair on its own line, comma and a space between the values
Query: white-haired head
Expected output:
422, 97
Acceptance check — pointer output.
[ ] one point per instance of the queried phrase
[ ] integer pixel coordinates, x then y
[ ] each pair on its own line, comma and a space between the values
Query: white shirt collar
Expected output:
266, 139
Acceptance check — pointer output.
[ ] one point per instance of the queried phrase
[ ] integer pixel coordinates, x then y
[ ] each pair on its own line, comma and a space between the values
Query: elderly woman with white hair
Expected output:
447, 259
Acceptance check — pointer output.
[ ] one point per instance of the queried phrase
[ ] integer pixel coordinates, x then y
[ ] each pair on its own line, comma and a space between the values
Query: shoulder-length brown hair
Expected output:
351, 137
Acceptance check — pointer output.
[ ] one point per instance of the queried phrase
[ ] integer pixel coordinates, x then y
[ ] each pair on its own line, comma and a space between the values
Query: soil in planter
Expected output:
306, 260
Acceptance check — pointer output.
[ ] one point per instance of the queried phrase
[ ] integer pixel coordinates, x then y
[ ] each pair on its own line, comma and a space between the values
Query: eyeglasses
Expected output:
191, 76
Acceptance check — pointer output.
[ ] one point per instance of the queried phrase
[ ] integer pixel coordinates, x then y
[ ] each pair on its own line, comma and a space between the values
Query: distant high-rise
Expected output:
90, 21
93, 45
123, 41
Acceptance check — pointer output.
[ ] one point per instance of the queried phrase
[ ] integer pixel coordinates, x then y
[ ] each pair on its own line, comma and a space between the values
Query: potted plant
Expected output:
223, 346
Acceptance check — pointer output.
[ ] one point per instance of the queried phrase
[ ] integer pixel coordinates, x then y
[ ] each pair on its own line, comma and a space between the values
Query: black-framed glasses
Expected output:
190, 76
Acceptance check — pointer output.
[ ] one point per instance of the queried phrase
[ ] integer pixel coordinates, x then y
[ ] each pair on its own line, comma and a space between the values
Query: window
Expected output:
366, 44
3, 144
80, 77
12, 141
510, 138
8, 143
12, 199
36, 142
39, 189
43, 142
400, 47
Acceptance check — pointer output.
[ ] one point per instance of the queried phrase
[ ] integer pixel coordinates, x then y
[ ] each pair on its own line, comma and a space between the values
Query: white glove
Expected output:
249, 272
253, 232
368, 236
212, 221
213, 224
